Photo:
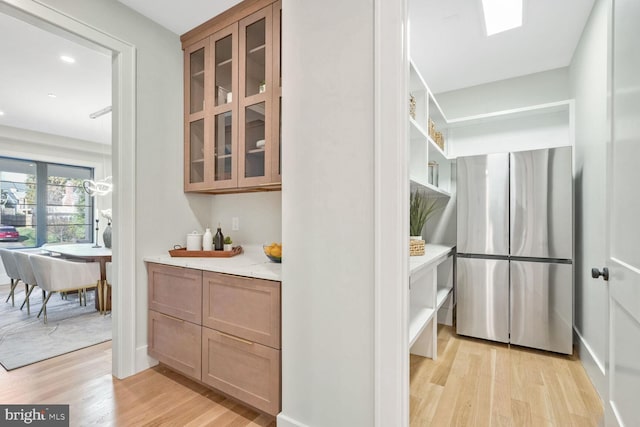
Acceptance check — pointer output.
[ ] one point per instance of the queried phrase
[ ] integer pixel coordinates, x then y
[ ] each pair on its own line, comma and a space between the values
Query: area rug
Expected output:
26, 339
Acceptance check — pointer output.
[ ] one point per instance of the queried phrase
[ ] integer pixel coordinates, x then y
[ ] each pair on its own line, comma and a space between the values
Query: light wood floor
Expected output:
155, 397
479, 383
473, 383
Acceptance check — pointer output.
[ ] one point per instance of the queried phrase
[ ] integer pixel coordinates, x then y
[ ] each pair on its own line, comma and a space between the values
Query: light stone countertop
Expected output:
251, 263
433, 255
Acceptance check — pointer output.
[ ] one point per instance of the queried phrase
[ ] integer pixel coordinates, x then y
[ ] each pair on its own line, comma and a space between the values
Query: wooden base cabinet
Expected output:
219, 329
243, 369
176, 343
243, 307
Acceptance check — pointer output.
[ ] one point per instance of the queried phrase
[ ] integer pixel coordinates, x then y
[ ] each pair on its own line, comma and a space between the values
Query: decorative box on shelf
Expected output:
416, 247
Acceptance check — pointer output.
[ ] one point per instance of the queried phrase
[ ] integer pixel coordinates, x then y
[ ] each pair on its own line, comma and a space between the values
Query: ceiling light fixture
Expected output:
99, 113
52, 95
1, 113
502, 15
67, 59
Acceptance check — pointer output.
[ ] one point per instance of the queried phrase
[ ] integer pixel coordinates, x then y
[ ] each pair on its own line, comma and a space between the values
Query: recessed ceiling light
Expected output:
67, 59
1, 113
502, 15
51, 95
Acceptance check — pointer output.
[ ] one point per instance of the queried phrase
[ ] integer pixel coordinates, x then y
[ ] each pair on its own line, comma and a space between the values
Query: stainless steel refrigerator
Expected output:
515, 248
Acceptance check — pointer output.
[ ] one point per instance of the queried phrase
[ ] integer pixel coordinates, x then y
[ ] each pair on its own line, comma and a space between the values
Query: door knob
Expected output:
595, 273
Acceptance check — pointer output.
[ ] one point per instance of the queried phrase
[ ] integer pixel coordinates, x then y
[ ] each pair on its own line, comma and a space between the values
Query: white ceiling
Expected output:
31, 69
180, 16
447, 44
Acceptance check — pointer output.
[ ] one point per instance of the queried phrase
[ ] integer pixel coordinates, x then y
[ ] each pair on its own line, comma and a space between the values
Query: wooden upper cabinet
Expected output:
233, 101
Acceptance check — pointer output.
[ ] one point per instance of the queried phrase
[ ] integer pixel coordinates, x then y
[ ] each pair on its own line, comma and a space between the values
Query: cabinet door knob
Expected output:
595, 273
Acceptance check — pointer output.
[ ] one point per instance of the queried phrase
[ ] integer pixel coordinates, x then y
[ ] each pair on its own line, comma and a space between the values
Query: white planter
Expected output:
415, 237
228, 247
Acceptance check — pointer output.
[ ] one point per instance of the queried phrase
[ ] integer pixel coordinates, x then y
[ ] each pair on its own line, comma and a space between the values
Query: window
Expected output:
44, 202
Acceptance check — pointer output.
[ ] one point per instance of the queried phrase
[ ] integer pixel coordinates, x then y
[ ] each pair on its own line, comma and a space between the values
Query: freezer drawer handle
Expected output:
595, 273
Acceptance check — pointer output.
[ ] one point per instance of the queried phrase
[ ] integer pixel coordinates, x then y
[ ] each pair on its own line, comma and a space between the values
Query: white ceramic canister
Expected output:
207, 240
194, 241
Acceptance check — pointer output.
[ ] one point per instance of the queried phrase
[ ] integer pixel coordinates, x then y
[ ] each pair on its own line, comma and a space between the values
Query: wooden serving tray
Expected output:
183, 252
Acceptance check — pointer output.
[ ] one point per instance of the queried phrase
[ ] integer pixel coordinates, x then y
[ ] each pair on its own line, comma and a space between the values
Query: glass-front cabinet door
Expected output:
256, 99
276, 154
224, 100
196, 70
233, 104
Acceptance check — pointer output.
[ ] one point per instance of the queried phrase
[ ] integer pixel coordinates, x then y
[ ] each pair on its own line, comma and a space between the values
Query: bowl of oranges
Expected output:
273, 251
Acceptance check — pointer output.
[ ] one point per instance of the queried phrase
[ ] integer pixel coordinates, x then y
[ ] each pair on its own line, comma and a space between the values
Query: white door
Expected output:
624, 219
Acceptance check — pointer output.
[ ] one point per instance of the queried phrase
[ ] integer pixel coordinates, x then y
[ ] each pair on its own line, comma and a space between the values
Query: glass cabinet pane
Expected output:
197, 81
280, 47
196, 151
254, 140
223, 151
255, 72
224, 62
280, 135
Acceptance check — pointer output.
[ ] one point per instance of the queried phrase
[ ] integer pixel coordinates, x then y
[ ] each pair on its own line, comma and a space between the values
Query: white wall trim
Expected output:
124, 150
391, 234
143, 361
592, 365
583, 344
285, 421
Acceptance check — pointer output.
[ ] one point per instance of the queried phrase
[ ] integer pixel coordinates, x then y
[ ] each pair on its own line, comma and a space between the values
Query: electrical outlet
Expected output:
235, 223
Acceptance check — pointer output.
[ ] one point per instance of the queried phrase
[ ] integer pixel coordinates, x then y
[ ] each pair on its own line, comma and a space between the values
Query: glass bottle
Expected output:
218, 239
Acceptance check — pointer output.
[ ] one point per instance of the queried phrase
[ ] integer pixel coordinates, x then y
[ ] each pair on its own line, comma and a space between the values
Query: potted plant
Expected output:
421, 207
228, 243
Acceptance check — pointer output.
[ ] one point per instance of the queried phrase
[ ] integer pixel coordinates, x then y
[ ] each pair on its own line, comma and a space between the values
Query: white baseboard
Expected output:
284, 421
143, 360
592, 365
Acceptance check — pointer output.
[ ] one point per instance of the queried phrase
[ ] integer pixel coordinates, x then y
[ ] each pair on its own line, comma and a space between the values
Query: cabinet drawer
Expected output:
244, 307
176, 343
247, 371
176, 291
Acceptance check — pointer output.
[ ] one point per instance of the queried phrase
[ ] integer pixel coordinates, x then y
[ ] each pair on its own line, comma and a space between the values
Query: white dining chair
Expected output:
26, 275
11, 268
62, 275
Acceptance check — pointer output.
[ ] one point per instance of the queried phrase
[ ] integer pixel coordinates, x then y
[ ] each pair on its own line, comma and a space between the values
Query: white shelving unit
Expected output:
423, 148
431, 275
430, 287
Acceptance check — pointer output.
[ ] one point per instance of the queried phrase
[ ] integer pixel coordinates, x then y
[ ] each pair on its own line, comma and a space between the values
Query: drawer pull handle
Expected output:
236, 338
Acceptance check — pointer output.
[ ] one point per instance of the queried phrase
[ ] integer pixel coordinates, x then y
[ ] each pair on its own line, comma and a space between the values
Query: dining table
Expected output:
89, 252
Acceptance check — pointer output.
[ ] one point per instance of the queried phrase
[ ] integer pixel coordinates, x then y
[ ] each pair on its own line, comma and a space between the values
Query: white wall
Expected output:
518, 92
328, 214
588, 74
164, 214
259, 216
544, 130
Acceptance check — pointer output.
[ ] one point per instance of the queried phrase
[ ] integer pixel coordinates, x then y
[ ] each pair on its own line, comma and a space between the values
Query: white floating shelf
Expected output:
429, 188
552, 107
442, 295
437, 148
416, 131
419, 318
